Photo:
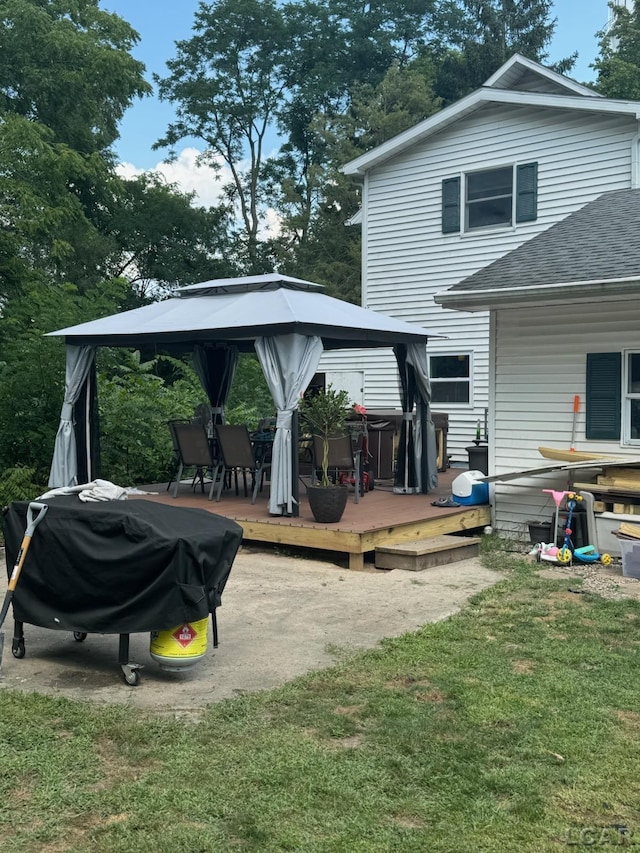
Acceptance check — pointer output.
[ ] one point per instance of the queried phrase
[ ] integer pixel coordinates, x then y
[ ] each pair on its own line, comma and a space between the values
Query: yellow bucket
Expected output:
181, 647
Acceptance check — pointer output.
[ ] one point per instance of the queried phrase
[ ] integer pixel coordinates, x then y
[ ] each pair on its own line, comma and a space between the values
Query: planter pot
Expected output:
540, 531
327, 502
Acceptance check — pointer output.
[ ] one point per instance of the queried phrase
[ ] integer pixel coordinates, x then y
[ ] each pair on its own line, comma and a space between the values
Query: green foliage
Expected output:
227, 83
250, 398
510, 727
66, 65
324, 414
618, 65
19, 484
135, 405
162, 239
32, 366
488, 34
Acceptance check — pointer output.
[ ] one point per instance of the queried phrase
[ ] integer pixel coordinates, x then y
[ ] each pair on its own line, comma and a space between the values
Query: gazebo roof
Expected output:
239, 310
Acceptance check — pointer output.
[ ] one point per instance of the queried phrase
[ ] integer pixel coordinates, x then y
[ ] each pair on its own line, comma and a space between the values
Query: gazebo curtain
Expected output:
216, 365
64, 465
425, 435
288, 363
417, 466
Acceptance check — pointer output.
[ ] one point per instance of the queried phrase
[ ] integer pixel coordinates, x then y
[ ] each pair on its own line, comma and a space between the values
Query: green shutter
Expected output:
604, 395
527, 192
451, 205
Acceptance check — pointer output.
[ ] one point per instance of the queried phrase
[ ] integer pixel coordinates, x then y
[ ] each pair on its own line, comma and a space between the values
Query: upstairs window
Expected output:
450, 378
491, 198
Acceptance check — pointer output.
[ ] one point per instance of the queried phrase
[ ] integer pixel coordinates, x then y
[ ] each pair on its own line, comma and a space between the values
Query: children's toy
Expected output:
557, 499
587, 553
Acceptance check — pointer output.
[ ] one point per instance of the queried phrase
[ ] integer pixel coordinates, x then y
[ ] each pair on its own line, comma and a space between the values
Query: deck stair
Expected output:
421, 554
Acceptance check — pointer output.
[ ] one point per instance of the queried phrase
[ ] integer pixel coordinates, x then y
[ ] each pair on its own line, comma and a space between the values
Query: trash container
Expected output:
478, 457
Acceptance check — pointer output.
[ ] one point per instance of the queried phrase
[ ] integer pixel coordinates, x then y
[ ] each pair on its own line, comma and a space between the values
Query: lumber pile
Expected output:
628, 531
617, 489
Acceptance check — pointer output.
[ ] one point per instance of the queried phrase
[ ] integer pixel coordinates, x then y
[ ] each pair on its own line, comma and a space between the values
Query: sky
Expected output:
160, 23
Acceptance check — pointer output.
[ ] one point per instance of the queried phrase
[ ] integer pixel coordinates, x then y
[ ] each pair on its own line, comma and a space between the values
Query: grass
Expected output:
512, 726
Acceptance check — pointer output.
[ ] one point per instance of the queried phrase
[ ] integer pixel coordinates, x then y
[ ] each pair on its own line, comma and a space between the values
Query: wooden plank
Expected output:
474, 517
622, 473
620, 483
427, 553
432, 545
630, 529
568, 455
596, 488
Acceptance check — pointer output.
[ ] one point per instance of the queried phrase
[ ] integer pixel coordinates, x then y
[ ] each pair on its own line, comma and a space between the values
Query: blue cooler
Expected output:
469, 490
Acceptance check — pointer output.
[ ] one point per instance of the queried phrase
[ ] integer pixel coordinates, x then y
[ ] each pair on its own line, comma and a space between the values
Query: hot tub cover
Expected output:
119, 567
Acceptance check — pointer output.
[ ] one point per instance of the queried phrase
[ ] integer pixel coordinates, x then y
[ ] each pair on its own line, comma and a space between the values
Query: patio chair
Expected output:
194, 451
236, 454
344, 460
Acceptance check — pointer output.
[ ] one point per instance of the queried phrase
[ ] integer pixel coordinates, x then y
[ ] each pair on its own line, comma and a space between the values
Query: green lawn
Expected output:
513, 726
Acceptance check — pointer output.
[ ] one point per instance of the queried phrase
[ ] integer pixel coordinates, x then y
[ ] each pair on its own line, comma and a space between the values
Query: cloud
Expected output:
192, 176
188, 174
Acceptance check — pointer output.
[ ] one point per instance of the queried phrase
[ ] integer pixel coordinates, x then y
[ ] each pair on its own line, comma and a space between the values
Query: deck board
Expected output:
380, 518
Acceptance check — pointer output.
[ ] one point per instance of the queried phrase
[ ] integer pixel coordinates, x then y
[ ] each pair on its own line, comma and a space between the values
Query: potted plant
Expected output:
324, 414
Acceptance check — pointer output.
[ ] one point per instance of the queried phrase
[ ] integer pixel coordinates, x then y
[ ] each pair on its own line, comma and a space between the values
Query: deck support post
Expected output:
356, 562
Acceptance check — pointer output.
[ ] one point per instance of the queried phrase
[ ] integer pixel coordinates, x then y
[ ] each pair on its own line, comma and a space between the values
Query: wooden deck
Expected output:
380, 518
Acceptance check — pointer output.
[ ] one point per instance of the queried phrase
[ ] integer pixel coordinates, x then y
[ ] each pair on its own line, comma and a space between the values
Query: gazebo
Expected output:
288, 322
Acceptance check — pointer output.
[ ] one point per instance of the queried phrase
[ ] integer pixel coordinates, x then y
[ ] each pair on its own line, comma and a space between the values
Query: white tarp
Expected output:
288, 363
64, 465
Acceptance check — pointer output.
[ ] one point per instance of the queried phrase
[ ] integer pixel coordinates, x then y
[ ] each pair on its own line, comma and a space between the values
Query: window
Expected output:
631, 414
450, 378
487, 198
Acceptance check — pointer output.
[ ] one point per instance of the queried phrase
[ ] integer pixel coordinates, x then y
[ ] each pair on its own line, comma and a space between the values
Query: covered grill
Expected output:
119, 567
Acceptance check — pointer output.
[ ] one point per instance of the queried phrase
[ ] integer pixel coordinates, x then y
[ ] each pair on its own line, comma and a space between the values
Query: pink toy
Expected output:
558, 498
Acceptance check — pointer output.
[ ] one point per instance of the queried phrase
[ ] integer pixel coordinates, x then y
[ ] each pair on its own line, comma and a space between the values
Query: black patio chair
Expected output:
237, 455
344, 460
194, 451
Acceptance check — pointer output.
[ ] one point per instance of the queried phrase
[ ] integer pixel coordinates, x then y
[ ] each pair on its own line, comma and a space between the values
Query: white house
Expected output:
458, 191
564, 322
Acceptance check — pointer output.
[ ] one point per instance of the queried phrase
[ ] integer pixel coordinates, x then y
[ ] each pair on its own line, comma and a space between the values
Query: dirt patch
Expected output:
281, 617
522, 667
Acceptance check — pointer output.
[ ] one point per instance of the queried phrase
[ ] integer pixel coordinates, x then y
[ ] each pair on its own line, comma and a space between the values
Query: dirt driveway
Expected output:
281, 616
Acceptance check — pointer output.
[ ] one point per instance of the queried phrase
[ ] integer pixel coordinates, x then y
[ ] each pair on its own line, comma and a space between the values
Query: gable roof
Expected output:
595, 249
522, 74
519, 81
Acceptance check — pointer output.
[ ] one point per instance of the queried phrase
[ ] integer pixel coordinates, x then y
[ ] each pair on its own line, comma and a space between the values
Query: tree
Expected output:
163, 240
66, 78
490, 33
618, 64
67, 66
32, 366
228, 81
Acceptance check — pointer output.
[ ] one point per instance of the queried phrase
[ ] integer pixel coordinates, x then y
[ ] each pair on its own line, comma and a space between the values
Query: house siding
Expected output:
539, 365
407, 259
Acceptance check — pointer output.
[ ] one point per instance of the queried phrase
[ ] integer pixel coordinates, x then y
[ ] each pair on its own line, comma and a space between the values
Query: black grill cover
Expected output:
119, 567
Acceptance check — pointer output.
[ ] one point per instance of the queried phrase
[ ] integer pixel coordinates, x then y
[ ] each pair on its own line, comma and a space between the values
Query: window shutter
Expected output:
604, 395
527, 192
451, 205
